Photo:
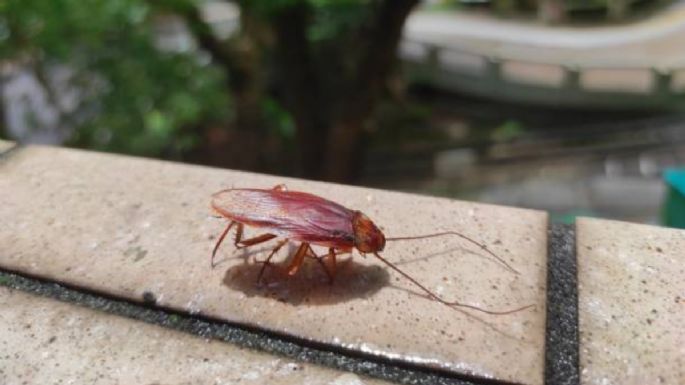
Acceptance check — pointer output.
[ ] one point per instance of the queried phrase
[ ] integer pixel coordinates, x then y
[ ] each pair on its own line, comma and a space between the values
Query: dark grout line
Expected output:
562, 341
246, 337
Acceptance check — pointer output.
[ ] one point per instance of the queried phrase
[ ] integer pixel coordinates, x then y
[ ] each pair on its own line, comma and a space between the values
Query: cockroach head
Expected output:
367, 237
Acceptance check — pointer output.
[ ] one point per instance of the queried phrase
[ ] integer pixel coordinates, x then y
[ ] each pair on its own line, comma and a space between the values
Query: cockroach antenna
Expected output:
462, 236
444, 302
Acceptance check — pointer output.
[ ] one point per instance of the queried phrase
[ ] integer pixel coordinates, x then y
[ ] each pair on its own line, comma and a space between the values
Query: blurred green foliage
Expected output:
333, 18
279, 119
152, 78
508, 131
133, 97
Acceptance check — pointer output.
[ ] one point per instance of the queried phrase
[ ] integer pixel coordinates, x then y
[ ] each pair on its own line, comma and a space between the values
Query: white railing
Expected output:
506, 73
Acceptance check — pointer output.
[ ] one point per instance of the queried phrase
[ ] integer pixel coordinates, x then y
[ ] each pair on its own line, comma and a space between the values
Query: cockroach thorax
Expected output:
368, 238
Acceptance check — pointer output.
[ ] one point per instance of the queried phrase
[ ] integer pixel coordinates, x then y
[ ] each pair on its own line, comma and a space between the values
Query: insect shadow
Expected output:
311, 285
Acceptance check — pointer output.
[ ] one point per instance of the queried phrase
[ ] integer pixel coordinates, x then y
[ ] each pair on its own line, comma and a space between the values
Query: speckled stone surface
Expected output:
141, 229
631, 303
44, 341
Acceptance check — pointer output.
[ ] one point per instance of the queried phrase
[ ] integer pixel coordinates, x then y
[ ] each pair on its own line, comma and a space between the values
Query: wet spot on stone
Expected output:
137, 253
140, 255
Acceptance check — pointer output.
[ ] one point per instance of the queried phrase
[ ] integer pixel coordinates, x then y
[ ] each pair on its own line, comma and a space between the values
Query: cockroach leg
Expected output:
255, 240
329, 262
267, 261
241, 243
297, 259
238, 235
311, 254
218, 242
329, 270
333, 262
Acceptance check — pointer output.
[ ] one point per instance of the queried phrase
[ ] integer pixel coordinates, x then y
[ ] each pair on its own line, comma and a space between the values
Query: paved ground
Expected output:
155, 243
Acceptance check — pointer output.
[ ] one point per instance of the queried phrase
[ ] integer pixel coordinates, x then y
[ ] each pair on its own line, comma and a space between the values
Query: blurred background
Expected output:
572, 106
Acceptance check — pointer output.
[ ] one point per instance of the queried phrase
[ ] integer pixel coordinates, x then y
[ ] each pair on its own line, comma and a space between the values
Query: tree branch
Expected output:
65, 117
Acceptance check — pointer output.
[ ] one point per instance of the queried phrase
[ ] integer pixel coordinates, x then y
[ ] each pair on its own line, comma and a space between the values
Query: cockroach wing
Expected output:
295, 215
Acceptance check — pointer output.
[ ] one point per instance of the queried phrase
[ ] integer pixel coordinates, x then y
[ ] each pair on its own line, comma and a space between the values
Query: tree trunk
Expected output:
330, 122
345, 141
345, 151
301, 88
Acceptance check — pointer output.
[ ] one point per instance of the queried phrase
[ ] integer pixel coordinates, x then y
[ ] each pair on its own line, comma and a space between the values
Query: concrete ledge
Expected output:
631, 303
562, 335
132, 237
141, 230
45, 341
256, 340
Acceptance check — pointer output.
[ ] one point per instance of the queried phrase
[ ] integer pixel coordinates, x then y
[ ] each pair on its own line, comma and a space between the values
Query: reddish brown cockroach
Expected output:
312, 220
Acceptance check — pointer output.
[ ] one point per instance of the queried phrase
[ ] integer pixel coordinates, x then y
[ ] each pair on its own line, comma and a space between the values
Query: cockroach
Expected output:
312, 220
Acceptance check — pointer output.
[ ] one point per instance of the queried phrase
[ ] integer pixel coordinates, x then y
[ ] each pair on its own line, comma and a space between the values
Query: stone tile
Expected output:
631, 303
5, 145
44, 341
139, 229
